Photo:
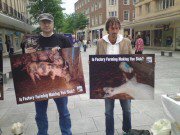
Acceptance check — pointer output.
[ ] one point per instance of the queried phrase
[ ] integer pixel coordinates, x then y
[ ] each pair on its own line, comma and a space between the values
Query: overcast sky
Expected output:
69, 6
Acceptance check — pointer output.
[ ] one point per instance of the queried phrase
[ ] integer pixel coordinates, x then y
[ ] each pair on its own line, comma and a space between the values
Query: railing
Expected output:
5, 7
11, 11
15, 13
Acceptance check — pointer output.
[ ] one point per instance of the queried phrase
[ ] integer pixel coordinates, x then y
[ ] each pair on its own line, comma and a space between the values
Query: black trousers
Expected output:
138, 52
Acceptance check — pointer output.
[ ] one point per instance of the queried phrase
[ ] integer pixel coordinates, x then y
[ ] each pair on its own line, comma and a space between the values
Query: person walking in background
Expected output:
23, 44
132, 40
114, 43
147, 40
139, 45
10, 48
80, 43
168, 41
7, 44
84, 44
88, 43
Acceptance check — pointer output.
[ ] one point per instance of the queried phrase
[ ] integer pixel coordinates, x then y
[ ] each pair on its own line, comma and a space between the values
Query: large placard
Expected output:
122, 76
47, 74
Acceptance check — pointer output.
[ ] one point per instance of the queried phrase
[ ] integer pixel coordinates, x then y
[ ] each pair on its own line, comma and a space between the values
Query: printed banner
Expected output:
122, 76
1, 76
47, 74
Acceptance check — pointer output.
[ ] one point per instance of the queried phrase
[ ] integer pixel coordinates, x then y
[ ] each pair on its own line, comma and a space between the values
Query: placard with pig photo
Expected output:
1, 77
129, 76
47, 74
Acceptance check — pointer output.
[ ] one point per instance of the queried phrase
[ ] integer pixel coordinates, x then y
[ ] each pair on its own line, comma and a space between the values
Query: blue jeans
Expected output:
64, 116
109, 113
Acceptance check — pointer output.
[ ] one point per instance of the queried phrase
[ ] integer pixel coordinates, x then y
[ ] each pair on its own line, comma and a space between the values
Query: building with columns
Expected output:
98, 11
14, 22
158, 22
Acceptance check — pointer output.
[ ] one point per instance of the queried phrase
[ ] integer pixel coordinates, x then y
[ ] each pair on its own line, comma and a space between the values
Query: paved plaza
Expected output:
87, 115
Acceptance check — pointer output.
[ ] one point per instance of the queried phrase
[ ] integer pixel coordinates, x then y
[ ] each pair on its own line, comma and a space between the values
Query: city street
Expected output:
87, 115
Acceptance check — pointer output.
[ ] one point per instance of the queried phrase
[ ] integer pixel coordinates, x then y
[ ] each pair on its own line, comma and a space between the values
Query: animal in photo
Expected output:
131, 87
38, 69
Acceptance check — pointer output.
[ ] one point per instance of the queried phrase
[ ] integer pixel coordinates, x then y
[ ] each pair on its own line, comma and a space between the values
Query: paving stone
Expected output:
83, 125
100, 122
92, 111
75, 114
100, 133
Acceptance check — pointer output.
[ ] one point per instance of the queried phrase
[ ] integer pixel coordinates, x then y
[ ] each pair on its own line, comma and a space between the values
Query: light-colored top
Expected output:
84, 42
113, 49
124, 45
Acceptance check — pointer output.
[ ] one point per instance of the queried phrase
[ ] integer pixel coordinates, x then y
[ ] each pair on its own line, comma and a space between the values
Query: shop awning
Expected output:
12, 23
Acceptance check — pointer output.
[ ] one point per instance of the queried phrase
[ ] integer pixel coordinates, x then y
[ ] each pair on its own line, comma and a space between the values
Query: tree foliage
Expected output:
47, 6
74, 22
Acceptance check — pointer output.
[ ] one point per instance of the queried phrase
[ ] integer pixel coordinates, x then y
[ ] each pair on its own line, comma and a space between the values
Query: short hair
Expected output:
112, 21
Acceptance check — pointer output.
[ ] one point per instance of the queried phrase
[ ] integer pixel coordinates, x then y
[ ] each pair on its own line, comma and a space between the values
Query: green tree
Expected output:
74, 22
47, 6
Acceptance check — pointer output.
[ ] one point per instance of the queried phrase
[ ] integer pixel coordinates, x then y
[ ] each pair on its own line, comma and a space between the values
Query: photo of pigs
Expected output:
47, 74
1, 77
122, 76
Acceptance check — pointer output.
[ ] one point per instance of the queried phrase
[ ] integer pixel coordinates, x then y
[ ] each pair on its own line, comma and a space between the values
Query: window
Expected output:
113, 13
148, 7
171, 3
133, 14
96, 20
92, 22
87, 11
88, 21
100, 19
140, 10
92, 8
163, 4
126, 15
100, 5
126, 2
112, 2
96, 6
134, 2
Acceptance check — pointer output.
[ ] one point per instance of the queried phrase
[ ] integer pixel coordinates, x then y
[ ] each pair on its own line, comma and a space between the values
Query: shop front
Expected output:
11, 36
160, 36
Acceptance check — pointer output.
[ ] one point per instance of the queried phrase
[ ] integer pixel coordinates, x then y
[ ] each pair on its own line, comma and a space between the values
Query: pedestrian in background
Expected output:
114, 43
84, 44
23, 44
132, 40
9, 45
88, 43
139, 45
